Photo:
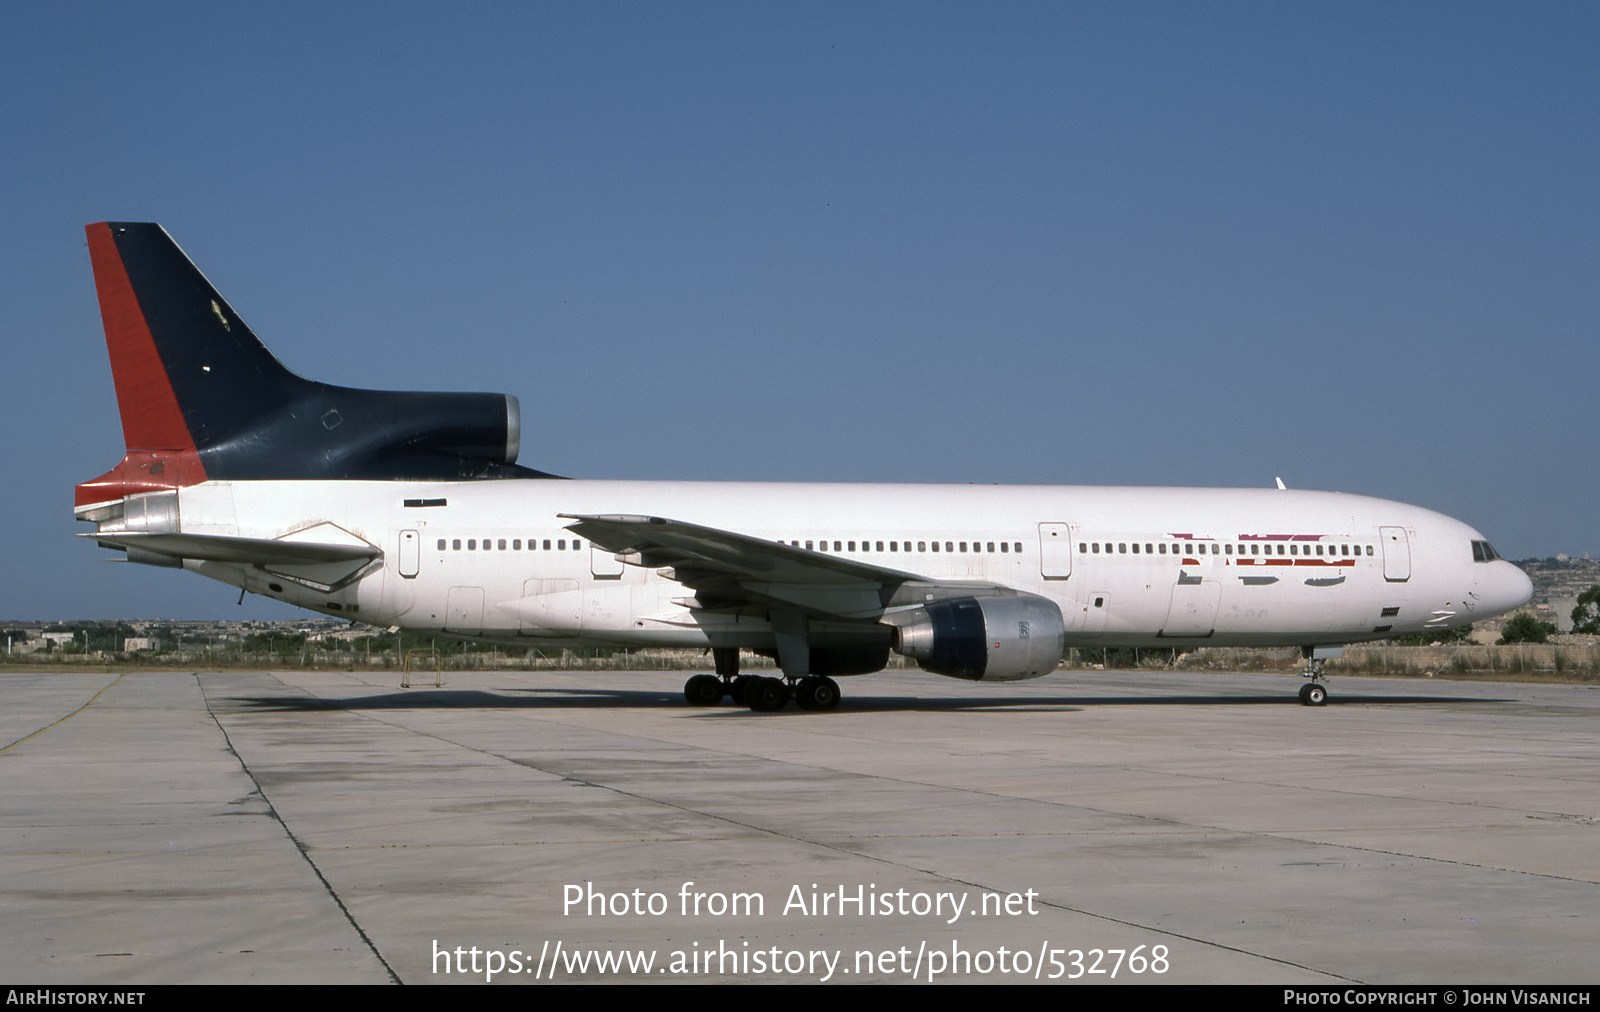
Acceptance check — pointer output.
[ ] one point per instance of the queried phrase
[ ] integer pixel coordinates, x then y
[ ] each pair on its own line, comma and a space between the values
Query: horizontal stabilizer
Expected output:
264, 552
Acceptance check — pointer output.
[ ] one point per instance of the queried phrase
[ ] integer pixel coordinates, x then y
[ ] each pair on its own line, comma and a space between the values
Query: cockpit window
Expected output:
1482, 551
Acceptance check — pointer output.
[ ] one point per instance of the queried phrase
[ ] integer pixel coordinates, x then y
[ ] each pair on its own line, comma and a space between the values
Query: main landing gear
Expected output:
760, 693
703, 690
763, 694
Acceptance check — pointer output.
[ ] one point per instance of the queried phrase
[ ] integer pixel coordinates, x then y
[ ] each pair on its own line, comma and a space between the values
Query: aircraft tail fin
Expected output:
201, 397
187, 369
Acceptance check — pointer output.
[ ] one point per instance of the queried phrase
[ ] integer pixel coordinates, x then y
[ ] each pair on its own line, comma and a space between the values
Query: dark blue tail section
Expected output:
179, 351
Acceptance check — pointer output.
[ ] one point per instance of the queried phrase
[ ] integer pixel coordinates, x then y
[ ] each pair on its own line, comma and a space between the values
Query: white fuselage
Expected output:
493, 560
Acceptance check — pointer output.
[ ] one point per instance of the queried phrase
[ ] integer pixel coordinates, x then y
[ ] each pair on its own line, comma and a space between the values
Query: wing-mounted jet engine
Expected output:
992, 639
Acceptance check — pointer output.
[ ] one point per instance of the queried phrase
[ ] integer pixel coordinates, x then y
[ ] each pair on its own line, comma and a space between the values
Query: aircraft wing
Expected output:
728, 570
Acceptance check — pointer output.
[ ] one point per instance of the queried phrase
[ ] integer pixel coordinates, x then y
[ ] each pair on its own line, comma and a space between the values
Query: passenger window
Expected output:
441, 544
516, 544
1017, 547
501, 545
922, 546
1122, 548
472, 544
1096, 547
1003, 546
456, 545
1083, 548
880, 546
561, 545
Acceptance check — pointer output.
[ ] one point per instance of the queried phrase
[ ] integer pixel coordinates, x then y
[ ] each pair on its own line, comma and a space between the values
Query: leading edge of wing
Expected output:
732, 570
658, 542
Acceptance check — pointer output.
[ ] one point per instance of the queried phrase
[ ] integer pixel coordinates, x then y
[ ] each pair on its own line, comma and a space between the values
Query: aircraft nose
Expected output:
1507, 589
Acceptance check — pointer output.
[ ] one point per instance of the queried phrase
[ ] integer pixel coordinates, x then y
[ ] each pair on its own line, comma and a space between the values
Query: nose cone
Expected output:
1506, 588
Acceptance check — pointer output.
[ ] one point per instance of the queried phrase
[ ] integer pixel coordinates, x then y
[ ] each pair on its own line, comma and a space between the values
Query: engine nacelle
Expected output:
322, 431
992, 639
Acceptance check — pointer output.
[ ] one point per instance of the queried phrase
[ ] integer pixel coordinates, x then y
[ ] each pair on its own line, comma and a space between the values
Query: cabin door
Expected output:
1055, 551
1396, 554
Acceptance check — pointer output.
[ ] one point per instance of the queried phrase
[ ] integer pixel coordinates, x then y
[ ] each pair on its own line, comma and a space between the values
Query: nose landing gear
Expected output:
1314, 693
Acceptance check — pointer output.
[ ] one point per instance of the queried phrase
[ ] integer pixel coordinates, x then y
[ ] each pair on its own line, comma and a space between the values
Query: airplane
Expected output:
408, 510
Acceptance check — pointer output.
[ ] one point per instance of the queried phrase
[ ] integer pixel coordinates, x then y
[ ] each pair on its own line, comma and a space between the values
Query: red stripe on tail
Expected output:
161, 453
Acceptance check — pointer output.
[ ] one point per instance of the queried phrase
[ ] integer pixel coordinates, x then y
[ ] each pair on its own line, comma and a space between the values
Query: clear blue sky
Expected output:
1351, 244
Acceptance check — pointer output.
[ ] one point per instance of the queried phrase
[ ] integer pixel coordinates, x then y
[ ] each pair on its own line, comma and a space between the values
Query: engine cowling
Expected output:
991, 639
339, 432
